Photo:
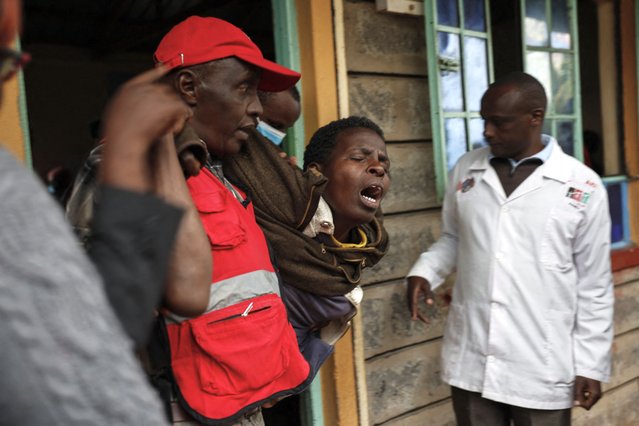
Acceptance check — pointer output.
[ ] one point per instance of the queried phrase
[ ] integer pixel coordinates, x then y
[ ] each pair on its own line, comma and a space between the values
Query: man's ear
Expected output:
537, 117
186, 82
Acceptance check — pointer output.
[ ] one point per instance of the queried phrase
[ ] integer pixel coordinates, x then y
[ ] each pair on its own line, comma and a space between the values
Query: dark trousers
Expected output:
473, 410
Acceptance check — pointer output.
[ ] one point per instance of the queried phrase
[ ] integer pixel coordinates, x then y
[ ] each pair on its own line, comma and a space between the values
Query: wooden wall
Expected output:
387, 81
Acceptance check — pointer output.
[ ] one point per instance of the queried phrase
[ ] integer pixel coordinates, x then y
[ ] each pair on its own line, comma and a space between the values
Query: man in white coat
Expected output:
527, 229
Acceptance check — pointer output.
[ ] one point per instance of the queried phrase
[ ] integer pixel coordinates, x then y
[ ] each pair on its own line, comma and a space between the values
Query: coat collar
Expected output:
553, 168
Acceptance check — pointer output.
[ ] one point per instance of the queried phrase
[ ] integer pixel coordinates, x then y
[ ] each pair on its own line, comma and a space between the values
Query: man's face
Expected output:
226, 105
281, 111
358, 173
510, 128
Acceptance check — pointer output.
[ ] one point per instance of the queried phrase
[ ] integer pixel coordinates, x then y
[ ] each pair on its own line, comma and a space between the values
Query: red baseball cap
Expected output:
197, 40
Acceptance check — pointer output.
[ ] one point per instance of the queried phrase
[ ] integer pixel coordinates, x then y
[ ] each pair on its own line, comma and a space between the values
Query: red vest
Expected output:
242, 352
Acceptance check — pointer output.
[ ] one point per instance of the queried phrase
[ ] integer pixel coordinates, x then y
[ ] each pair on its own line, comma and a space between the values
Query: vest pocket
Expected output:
220, 220
242, 347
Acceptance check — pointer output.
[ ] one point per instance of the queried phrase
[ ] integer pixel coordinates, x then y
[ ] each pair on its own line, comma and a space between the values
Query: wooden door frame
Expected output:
322, 103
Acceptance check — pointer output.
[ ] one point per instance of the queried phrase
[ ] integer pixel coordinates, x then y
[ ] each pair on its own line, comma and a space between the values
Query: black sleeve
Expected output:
132, 238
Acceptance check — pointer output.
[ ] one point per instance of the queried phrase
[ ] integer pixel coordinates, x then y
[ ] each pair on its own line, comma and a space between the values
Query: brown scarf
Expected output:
285, 200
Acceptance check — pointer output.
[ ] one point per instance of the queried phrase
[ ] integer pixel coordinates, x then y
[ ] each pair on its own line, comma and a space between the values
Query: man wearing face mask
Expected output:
280, 112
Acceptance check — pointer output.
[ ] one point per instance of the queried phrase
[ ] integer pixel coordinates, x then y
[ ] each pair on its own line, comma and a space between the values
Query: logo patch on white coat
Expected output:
466, 185
580, 198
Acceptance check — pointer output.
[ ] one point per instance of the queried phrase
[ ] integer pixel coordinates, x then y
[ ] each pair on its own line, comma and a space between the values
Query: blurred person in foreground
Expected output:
66, 358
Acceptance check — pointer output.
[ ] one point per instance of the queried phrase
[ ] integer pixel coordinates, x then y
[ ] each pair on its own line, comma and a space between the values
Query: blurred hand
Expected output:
418, 286
143, 110
587, 392
292, 160
140, 113
189, 162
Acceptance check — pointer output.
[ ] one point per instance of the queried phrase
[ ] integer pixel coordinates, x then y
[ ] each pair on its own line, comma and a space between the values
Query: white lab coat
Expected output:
532, 304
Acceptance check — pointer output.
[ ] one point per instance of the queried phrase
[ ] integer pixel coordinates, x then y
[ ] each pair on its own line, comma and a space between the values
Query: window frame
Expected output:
437, 114
551, 116
621, 180
287, 53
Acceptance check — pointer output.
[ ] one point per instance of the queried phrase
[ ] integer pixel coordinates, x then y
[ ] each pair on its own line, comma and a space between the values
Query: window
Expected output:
540, 37
617, 193
462, 69
459, 42
550, 54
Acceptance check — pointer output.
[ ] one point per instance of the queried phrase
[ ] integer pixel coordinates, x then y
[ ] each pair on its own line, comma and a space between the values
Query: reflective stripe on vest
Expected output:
233, 290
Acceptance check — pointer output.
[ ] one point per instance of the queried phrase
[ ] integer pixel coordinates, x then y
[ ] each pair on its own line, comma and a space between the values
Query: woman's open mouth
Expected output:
372, 196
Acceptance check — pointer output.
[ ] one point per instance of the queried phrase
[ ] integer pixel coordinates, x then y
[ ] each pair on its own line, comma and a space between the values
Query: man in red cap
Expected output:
217, 70
241, 353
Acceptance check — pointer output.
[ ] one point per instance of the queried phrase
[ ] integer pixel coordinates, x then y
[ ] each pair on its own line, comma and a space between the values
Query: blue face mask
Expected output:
270, 133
